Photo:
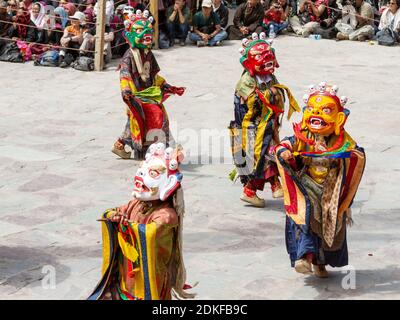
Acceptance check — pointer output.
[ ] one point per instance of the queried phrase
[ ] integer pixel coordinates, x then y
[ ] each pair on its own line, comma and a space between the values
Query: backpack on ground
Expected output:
48, 59
83, 64
10, 53
386, 37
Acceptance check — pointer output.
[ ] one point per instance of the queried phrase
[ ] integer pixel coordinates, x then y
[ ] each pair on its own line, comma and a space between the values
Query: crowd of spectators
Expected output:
358, 20
69, 28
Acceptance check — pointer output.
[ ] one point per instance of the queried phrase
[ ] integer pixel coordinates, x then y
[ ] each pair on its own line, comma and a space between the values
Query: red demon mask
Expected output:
259, 59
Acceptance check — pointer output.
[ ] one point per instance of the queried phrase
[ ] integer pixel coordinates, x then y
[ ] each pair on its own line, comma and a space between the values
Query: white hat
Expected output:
80, 16
207, 3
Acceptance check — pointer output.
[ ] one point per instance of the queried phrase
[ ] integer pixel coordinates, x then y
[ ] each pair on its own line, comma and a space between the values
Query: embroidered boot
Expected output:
276, 188
303, 265
119, 149
320, 271
250, 196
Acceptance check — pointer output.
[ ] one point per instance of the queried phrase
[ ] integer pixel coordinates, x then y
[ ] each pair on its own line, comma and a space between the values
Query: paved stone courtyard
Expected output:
57, 174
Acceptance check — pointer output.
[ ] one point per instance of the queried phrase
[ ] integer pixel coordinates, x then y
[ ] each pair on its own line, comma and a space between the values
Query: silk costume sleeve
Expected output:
127, 85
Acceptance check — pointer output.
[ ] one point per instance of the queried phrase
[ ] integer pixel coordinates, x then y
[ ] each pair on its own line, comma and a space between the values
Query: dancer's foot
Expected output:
276, 188
119, 149
320, 271
277, 191
250, 196
303, 266
253, 200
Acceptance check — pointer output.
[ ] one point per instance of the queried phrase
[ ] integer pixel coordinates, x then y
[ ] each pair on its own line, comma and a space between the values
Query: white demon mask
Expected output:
158, 177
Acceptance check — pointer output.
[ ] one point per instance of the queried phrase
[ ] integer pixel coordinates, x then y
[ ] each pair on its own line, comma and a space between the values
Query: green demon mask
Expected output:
139, 30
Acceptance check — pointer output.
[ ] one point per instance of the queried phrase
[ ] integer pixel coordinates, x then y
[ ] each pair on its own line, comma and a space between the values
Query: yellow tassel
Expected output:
128, 250
293, 105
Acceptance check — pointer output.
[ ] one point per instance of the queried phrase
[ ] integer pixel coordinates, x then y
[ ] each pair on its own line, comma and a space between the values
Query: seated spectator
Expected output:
348, 15
222, 11
207, 27
390, 17
49, 16
364, 28
137, 5
5, 15
12, 7
117, 26
109, 10
60, 23
117, 20
38, 15
27, 4
248, 19
389, 24
22, 28
315, 17
69, 7
61, 16
72, 38
275, 18
178, 22
89, 42
42, 16
326, 24
89, 12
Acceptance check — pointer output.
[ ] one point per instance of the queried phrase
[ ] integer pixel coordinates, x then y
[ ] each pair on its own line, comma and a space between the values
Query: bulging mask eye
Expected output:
326, 110
154, 173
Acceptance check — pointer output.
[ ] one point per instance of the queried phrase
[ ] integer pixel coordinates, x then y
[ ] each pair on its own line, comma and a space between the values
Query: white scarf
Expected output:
39, 21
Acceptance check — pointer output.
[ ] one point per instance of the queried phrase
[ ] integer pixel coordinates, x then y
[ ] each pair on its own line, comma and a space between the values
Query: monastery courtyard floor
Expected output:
57, 175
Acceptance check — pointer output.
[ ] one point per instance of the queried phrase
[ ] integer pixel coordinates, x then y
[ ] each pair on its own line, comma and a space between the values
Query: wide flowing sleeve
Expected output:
128, 92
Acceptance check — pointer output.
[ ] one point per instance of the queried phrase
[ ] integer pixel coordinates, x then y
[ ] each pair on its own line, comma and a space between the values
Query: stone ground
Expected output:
57, 174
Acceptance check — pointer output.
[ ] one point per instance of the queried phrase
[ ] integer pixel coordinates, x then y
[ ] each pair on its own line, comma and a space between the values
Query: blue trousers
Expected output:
298, 244
222, 35
278, 27
177, 30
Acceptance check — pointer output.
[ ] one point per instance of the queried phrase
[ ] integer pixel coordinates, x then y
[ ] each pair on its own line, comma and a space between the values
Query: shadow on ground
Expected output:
373, 281
22, 266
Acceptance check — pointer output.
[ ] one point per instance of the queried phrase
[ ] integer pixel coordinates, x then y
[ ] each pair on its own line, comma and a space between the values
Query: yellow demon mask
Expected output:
324, 113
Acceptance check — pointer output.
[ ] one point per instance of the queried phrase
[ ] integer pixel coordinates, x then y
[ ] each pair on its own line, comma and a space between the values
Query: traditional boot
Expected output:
119, 149
303, 265
250, 196
276, 188
320, 271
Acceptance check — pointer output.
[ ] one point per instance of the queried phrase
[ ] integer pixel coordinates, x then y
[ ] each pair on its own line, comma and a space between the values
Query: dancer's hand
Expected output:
120, 217
180, 90
286, 155
176, 90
